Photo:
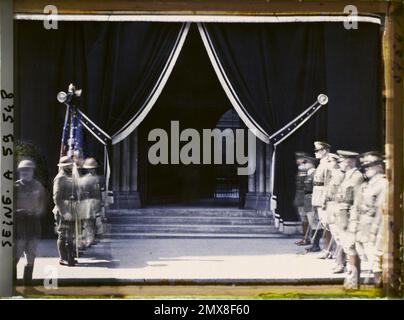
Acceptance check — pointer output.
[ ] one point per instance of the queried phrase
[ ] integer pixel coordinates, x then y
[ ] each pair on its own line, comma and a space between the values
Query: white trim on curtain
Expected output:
93, 124
228, 88
288, 129
199, 18
132, 124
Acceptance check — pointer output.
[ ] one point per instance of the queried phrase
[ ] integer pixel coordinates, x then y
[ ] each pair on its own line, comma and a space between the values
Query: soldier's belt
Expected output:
318, 184
308, 192
345, 204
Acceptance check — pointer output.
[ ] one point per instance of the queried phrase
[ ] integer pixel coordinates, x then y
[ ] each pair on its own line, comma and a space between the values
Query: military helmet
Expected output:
371, 158
319, 145
65, 161
26, 164
90, 163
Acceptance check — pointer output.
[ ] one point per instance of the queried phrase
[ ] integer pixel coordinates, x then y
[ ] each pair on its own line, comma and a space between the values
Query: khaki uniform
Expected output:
308, 193
30, 206
299, 196
90, 205
90, 196
365, 222
65, 198
331, 192
101, 216
346, 194
321, 179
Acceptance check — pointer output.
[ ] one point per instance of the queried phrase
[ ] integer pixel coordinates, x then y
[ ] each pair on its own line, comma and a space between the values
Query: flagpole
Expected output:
66, 98
64, 129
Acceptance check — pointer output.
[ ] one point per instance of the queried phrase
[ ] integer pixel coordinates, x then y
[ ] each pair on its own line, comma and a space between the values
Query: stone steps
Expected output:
200, 220
192, 228
181, 212
179, 222
165, 235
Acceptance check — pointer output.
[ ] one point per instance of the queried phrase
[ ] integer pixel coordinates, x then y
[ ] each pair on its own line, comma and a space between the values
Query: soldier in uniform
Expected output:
344, 198
65, 198
365, 222
330, 190
30, 206
299, 196
320, 179
310, 165
91, 199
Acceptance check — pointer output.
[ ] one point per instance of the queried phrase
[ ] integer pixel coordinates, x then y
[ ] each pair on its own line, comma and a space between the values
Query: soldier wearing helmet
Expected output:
30, 206
310, 165
299, 201
91, 200
345, 196
65, 197
328, 210
365, 221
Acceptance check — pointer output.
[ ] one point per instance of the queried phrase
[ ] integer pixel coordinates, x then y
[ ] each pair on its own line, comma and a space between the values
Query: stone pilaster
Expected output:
125, 173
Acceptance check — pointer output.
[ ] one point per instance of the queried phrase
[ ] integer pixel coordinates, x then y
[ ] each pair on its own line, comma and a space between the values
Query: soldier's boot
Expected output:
327, 238
340, 261
378, 279
316, 241
27, 277
329, 247
352, 280
70, 254
326, 254
358, 268
306, 239
61, 243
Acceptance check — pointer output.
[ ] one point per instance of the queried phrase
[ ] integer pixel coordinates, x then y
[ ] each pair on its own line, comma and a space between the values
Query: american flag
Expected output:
72, 135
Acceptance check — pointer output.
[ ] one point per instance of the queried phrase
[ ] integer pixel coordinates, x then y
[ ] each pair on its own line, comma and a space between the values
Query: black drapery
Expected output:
119, 65
353, 65
277, 71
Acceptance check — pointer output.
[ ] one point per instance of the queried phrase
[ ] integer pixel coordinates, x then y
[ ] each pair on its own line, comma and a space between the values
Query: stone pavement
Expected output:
216, 260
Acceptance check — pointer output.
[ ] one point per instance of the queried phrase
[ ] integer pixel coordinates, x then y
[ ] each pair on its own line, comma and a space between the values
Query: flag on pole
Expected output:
72, 143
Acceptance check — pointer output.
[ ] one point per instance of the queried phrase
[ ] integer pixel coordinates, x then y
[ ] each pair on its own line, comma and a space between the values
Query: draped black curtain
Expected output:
353, 65
117, 64
277, 71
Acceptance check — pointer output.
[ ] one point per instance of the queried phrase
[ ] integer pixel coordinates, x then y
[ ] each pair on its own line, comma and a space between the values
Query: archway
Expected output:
194, 98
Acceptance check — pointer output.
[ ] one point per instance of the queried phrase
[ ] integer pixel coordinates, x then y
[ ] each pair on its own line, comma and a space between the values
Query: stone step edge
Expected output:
133, 235
243, 226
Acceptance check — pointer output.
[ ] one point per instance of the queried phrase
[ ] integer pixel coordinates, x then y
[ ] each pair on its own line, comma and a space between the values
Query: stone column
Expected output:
125, 175
134, 162
260, 167
268, 157
115, 172
125, 165
134, 170
263, 198
251, 196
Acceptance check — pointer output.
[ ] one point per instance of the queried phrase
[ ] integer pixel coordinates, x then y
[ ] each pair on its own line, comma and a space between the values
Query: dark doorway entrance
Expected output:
229, 187
194, 97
